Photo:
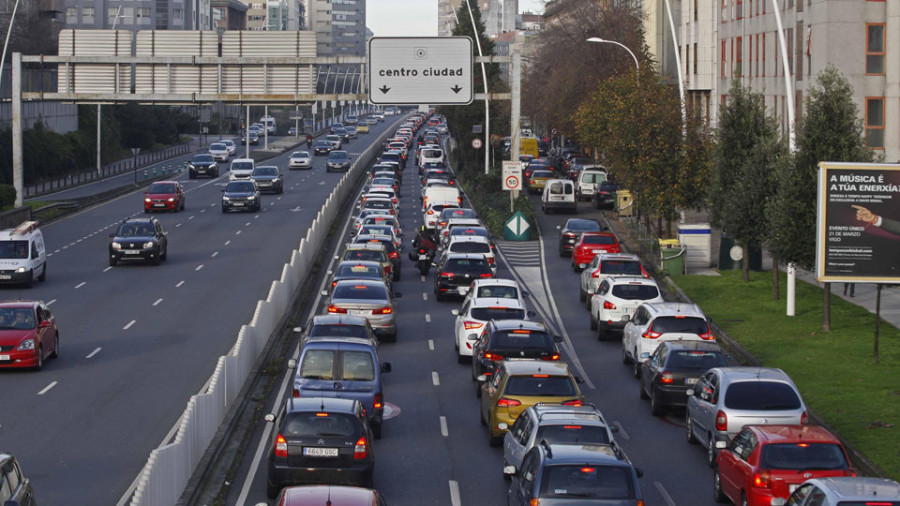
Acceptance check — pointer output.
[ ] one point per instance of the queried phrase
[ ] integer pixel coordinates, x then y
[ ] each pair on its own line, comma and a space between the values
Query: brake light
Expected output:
334, 309
486, 275
378, 402
387, 269
459, 200
508, 403
430, 211
333, 283
493, 357
762, 479
608, 305
447, 274
708, 335
552, 357
587, 469
360, 450
573, 402
384, 310
804, 419
649, 334
490, 260
394, 254
595, 274
721, 421
295, 393
280, 446
575, 427
666, 377
472, 325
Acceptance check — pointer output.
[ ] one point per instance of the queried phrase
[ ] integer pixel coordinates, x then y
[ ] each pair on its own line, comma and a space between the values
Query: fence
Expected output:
170, 466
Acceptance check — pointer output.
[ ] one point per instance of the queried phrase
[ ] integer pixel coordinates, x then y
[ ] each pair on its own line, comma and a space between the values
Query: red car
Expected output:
591, 243
164, 196
767, 461
28, 334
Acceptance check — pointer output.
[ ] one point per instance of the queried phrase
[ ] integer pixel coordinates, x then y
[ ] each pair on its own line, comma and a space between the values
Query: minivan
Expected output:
343, 367
558, 194
588, 180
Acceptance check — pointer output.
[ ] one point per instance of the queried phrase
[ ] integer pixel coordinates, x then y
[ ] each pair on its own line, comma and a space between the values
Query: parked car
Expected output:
849, 491
590, 244
241, 195
657, 322
28, 336
268, 178
140, 239
164, 196
673, 368
725, 399
571, 230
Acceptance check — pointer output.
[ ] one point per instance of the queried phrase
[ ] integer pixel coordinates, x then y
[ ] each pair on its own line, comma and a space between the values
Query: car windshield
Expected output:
239, 187
135, 230
808, 456
695, 360
470, 247
300, 154
265, 171
586, 481
218, 147
16, 318
680, 324
358, 366
13, 249
598, 239
497, 313
573, 434
629, 267
635, 292
318, 425
500, 291
360, 292
540, 385
202, 159
324, 144
162, 188
338, 155
761, 396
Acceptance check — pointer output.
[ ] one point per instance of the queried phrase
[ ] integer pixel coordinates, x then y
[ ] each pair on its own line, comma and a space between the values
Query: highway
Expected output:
138, 340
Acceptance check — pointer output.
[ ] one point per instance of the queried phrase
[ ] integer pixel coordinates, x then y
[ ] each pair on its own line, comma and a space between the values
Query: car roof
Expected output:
367, 263
793, 434
618, 256
20, 303
365, 245
692, 346
518, 324
550, 414
748, 373
339, 319
139, 220
523, 367
631, 280
469, 238
497, 302
496, 282
367, 282
674, 308
860, 488
465, 256
560, 454
339, 342
328, 404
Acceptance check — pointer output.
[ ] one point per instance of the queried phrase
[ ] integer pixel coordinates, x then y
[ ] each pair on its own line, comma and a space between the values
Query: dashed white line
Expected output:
247, 224
126, 327
91, 354
621, 430
107, 269
423, 278
237, 233
444, 431
215, 254
191, 217
227, 242
57, 251
202, 211
431, 344
427, 318
454, 493
178, 225
179, 284
271, 204
157, 302
435, 379
424, 296
199, 267
47, 388
79, 285
51, 302
665, 495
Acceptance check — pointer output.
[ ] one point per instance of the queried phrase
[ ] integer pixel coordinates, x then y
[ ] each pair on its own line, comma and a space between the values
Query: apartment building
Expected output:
340, 26
139, 14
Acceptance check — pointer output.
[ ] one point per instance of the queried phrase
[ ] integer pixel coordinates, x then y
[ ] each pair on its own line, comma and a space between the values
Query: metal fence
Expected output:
170, 466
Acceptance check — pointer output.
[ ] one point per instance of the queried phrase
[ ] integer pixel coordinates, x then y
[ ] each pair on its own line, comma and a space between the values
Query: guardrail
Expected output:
170, 466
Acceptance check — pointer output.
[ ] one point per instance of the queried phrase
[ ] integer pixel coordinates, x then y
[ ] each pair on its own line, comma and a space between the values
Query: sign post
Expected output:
420, 70
512, 181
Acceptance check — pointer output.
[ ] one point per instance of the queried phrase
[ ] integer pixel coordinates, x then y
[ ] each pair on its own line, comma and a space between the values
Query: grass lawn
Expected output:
834, 370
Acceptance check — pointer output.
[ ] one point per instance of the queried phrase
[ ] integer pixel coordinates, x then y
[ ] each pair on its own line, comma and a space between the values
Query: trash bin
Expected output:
731, 255
624, 203
672, 256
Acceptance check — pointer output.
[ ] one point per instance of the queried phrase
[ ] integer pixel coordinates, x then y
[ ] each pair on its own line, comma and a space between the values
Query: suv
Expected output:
511, 340
320, 440
28, 335
617, 300
138, 239
241, 195
555, 425
516, 385
575, 474
607, 264
725, 399
344, 367
15, 488
654, 323
456, 271
475, 313
203, 164
844, 491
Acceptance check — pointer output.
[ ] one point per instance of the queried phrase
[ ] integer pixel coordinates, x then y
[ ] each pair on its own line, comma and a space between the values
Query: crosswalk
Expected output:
520, 253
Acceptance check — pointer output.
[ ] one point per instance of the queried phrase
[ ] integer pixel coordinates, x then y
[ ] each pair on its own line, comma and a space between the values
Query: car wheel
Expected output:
376, 429
43, 276
191, 175
477, 389
641, 392
223, 209
55, 353
593, 322
481, 417
625, 359
391, 338
657, 408
601, 332
718, 495
112, 261
40, 359
146, 211
506, 477
562, 252
495, 441
636, 366
582, 295
689, 428
157, 260
744, 499
272, 490
165, 254
711, 452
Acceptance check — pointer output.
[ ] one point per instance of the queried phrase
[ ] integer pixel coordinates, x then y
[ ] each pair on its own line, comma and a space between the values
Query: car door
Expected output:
521, 489
161, 236
586, 274
43, 333
697, 404
459, 327
704, 416
652, 367
13, 484
729, 464
633, 330
514, 445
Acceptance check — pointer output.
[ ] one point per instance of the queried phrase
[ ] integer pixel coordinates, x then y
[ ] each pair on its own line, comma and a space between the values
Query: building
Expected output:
340, 26
229, 14
139, 14
498, 16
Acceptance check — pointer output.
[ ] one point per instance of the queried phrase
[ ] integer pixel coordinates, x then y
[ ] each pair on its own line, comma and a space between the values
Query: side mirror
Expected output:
525, 294
454, 312
324, 292
112, 235
721, 445
292, 363
614, 429
298, 330
559, 227
509, 471
639, 472
626, 318
386, 367
269, 417
557, 339
481, 378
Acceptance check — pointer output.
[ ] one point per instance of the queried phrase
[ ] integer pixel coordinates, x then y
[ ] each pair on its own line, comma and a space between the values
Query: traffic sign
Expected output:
512, 175
420, 70
476, 143
517, 228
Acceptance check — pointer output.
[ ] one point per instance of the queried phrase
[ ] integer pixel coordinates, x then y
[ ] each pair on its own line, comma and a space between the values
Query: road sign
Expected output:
420, 70
512, 175
517, 228
476, 143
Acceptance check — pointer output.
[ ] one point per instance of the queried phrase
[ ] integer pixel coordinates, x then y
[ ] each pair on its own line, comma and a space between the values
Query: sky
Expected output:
416, 18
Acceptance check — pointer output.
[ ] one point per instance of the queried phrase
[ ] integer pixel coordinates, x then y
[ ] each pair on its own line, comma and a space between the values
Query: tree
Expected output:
747, 148
831, 130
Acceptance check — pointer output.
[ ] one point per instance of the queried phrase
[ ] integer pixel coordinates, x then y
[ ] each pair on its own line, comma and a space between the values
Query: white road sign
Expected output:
512, 175
420, 70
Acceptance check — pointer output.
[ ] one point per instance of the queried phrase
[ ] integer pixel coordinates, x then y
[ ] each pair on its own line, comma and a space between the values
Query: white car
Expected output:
300, 160
501, 288
654, 323
472, 244
470, 320
241, 168
219, 151
604, 265
433, 213
617, 299
232, 147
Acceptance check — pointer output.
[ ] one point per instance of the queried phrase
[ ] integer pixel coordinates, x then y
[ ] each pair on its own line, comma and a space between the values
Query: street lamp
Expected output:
637, 66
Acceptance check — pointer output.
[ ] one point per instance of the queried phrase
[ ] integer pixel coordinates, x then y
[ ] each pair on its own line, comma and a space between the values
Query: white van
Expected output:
241, 168
269, 123
23, 258
441, 195
558, 194
431, 155
590, 177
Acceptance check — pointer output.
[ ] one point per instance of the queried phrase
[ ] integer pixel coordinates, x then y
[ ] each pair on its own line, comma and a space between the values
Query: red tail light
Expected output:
650, 334
595, 274
493, 357
490, 260
378, 402
280, 446
762, 479
708, 335
608, 305
804, 419
554, 356
430, 211
666, 377
333, 283
486, 275
447, 274
394, 254
384, 310
721, 421
472, 325
508, 403
387, 269
334, 309
361, 449
572, 402
295, 393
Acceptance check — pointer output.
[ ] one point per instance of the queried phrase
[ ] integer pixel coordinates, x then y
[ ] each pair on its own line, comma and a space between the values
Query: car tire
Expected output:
272, 490
165, 254
506, 477
744, 499
481, 417
223, 209
157, 260
43, 276
689, 428
391, 338
40, 359
376, 429
601, 332
711, 452
582, 295
718, 495
191, 175
495, 441
55, 353
593, 321
641, 392
636, 366
477, 389
112, 261
657, 408
562, 253
625, 359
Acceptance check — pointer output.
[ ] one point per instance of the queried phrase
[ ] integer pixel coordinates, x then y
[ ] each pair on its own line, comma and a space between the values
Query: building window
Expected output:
756, 72
739, 57
875, 122
71, 15
875, 49
738, 6
87, 15
724, 10
695, 57
723, 60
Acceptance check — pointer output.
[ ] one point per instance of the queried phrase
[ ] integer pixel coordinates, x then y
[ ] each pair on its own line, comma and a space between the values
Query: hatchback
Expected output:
509, 339
471, 244
375, 252
371, 299
725, 399
28, 335
568, 233
325, 326
338, 160
590, 244
455, 273
355, 269
617, 299
320, 440
763, 462
673, 368
219, 151
306, 495
164, 196
856, 491
475, 313
538, 179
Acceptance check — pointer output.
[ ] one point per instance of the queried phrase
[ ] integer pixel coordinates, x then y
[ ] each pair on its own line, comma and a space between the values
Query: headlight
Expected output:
116, 246
226, 199
147, 200
25, 345
21, 269
171, 199
191, 166
251, 197
148, 245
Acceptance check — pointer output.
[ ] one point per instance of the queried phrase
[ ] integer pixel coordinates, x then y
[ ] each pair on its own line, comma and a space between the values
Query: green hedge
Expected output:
490, 200
7, 196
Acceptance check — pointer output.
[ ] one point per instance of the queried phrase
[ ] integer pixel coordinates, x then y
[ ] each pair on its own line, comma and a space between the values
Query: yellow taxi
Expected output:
518, 384
538, 179
362, 128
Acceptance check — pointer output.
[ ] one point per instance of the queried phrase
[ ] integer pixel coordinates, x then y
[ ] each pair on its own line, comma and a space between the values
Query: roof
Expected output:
582, 453
20, 303
497, 302
675, 308
618, 256
630, 280
793, 434
692, 345
742, 373
522, 367
496, 282
331, 404
560, 413
864, 489
518, 324
339, 319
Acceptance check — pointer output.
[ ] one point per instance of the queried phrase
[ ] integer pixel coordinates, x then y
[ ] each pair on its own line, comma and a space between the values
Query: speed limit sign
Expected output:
476, 143
512, 175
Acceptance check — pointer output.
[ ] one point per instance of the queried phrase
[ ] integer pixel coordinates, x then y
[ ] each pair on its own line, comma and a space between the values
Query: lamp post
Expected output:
637, 66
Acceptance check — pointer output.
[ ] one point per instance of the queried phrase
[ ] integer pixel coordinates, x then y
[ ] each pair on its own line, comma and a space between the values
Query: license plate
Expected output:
320, 452
5, 276
359, 312
237, 204
159, 205
598, 251
265, 184
131, 252
4, 357
423, 257
690, 381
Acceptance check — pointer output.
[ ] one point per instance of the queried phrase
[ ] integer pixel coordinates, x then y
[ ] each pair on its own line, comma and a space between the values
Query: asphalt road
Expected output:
434, 450
137, 340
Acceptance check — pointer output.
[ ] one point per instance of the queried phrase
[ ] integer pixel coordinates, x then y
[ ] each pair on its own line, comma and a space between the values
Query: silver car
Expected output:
849, 490
219, 151
300, 160
725, 399
607, 264
370, 299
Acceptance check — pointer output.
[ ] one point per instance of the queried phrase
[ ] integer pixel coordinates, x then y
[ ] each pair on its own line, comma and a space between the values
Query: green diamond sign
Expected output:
517, 228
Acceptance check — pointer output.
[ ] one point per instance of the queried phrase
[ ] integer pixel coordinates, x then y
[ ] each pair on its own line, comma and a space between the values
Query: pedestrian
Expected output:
852, 287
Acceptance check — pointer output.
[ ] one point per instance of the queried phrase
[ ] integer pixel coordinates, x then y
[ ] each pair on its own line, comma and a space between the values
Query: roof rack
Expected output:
25, 227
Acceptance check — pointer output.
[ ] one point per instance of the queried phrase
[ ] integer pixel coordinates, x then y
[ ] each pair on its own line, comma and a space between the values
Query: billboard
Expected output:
858, 223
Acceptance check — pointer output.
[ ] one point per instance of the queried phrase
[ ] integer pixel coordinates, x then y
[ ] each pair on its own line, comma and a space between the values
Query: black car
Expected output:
203, 164
511, 339
320, 440
569, 233
338, 160
673, 368
322, 147
456, 271
605, 196
138, 239
268, 178
241, 195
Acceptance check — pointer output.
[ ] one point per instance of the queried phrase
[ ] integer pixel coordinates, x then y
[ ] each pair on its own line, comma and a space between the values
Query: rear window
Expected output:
627, 267
635, 292
319, 425
761, 396
358, 366
467, 265
573, 433
552, 386
470, 247
497, 313
365, 254
683, 325
584, 481
338, 330
378, 204
458, 213
582, 226
503, 292
363, 292
598, 239
359, 270
542, 174
432, 153
480, 231
593, 178
317, 364
696, 360
517, 340
808, 456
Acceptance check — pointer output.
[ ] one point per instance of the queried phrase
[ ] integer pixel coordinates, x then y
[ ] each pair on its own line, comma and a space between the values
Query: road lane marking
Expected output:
191, 217
444, 431
427, 318
177, 225
91, 354
435, 380
199, 267
621, 430
237, 233
79, 285
203, 210
227, 242
157, 302
107, 269
454, 493
215, 254
431, 344
179, 284
51, 302
47, 388
247, 224
424, 296
663, 493
423, 278
126, 327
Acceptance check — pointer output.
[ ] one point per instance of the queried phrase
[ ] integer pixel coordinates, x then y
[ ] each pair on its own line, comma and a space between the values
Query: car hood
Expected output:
134, 238
12, 337
239, 194
161, 195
